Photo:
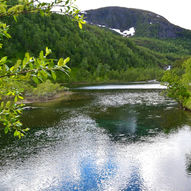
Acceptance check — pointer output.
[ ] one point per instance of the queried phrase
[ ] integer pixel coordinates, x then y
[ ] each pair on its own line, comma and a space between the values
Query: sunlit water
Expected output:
110, 140
128, 87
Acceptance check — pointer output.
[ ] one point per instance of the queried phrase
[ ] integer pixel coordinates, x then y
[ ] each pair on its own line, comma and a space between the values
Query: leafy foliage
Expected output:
46, 89
33, 68
179, 84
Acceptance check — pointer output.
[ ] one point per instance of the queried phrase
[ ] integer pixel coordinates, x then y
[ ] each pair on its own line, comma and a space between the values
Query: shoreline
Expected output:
62, 95
65, 95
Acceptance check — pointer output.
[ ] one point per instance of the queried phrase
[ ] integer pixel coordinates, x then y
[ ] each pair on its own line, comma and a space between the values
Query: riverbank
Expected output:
65, 95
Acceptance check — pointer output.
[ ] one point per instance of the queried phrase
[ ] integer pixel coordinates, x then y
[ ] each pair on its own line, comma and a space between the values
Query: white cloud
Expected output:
177, 12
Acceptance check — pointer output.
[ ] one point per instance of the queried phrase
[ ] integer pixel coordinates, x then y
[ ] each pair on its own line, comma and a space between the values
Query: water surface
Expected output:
110, 140
131, 86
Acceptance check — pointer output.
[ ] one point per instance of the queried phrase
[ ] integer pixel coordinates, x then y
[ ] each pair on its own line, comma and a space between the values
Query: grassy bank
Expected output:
42, 92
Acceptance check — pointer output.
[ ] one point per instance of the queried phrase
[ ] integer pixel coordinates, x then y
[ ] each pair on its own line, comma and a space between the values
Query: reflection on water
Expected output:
132, 86
109, 140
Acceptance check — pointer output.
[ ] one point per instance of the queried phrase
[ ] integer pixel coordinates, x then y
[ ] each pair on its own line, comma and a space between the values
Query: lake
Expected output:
104, 138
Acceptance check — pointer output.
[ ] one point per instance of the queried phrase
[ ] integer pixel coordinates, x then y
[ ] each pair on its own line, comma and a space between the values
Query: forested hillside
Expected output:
97, 54
151, 31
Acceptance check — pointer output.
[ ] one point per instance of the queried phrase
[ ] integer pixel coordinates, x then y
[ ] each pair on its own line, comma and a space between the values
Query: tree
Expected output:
30, 68
178, 80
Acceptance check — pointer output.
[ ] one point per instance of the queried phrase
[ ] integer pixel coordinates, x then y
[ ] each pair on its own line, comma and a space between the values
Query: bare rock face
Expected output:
146, 24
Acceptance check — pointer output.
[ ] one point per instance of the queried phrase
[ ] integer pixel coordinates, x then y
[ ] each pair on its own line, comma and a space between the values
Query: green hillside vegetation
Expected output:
169, 47
97, 54
179, 86
174, 50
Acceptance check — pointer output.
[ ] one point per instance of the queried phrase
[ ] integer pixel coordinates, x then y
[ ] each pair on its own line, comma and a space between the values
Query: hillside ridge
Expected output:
145, 23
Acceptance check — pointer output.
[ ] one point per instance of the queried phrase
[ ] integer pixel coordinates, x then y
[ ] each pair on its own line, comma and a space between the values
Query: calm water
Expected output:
110, 140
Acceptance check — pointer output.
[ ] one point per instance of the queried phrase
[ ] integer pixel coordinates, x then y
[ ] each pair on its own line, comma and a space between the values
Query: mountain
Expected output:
140, 23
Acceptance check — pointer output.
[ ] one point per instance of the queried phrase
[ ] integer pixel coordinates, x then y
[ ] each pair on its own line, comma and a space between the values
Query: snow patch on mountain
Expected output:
101, 26
125, 33
130, 32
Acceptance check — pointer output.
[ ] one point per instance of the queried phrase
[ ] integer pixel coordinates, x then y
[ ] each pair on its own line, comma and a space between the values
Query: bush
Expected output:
46, 89
179, 84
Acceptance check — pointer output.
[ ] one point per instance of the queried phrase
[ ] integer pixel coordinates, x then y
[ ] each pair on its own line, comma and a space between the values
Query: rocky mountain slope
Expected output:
136, 22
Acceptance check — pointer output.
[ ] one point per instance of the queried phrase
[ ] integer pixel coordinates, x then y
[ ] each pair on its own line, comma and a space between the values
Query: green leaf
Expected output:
3, 60
31, 66
16, 133
18, 124
80, 25
8, 104
16, 99
44, 73
48, 51
7, 34
35, 79
15, 18
6, 130
26, 60
66, 60
12, 68
53, 75
27, 129
2, 8
2, 104
67, 2
41, 55
60, 62
20, 97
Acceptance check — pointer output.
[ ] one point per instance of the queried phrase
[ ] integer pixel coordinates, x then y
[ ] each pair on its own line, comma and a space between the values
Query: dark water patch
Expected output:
135, 122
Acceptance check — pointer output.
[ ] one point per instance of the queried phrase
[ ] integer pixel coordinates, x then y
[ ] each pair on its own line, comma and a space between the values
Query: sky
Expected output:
177, 12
